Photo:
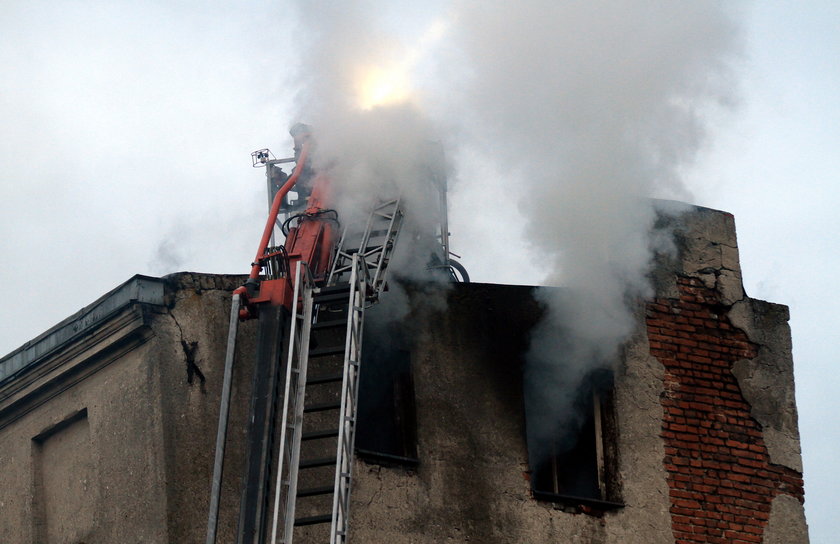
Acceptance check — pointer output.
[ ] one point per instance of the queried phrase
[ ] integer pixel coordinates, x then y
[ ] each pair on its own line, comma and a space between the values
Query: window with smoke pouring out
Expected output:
387, 429
571, 444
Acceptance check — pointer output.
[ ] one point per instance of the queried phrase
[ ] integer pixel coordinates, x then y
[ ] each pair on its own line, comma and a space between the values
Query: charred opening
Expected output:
576, 464
387, 428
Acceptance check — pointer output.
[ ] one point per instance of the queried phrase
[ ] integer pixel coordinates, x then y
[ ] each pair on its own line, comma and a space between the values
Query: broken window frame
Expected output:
400, 419
601, 415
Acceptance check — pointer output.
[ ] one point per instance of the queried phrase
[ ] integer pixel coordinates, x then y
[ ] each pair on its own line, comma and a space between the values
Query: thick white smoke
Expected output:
596, 107
592, 108
370, 134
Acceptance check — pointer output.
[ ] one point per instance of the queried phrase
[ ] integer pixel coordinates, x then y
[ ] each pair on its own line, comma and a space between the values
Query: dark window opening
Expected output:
387, 425
576, 463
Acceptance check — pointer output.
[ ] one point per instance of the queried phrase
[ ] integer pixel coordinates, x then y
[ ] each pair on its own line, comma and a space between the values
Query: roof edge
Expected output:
139, 288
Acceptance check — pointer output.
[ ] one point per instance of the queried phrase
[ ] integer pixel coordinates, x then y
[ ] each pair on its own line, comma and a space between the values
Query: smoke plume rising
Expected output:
591, 108
597, 107
371, 133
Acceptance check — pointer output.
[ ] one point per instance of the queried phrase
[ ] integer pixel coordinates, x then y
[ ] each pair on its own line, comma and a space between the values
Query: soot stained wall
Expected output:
707, 444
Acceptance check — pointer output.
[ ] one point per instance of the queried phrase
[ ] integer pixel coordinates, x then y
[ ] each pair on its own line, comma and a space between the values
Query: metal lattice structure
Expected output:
363, 256
373, 245
297, 408
309, 347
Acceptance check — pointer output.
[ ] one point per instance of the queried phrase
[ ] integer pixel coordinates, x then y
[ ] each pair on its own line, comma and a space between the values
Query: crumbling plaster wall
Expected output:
190, 350
472, 482
710, 248
639, 386
767, 380
126, 496
148, 453
707, 250
152, 431
470, 424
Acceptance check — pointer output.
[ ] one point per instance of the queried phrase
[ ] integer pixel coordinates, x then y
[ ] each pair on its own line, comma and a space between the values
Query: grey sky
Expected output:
126, 128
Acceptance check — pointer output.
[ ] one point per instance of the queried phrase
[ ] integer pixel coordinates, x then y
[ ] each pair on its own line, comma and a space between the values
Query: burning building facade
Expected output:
108, 420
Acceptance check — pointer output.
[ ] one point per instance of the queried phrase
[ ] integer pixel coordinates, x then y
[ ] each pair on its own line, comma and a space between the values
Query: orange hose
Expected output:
275, 209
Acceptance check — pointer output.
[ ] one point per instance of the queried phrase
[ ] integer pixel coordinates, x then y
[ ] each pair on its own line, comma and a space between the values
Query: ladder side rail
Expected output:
385, 211
347, 411
444, 223
224, 412
349, 442
376, 214
363, 244
394, 227
295, 384
291, 378
341, 256
303, 355
356, 338
339, 519
368, 252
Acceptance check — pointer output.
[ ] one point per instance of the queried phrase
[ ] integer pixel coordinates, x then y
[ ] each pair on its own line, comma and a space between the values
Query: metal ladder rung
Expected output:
331, 297
313, 520
333, 323
314, 491
374, 244
372, 250
328, 378
317, 463
351, 296
331, 289
323, 352
321, 407
317, 435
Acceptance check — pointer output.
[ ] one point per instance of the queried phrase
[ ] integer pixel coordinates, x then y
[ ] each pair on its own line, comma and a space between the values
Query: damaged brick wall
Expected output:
721, 478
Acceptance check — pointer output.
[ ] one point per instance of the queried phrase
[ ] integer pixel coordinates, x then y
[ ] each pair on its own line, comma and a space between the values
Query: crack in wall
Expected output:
189, 349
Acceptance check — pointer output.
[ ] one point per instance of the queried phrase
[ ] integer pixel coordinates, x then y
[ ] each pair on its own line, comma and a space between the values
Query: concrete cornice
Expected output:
143, 289
77, 347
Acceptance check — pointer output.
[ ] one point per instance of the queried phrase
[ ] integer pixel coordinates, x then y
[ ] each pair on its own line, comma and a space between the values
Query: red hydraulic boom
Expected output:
312, 241
304, 394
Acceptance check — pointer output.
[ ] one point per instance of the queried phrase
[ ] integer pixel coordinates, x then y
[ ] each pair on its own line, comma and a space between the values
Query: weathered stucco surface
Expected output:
472, 482
130, 414
787, 522
113, 442
767, 380
122, 480
710, 252
639, 385
198, 313
707, 250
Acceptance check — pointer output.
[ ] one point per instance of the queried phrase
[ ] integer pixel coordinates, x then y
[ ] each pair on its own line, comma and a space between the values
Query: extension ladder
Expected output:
364, 256
313, 464
374, 245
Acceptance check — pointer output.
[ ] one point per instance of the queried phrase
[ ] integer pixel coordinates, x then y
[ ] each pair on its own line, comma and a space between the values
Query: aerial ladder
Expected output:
309, 296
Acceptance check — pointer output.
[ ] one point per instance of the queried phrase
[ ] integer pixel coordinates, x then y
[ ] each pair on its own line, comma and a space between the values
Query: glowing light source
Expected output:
380, 87
390, 83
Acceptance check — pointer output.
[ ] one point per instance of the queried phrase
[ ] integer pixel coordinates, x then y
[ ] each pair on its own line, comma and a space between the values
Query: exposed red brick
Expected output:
720, 478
